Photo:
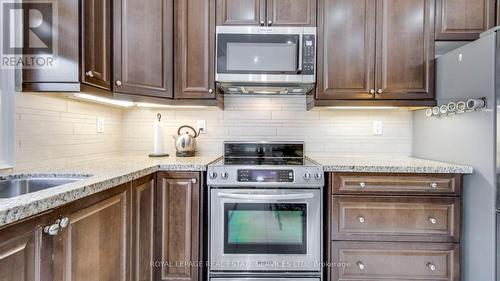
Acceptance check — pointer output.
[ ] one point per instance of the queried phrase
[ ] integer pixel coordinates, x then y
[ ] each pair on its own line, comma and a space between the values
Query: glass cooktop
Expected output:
264, 161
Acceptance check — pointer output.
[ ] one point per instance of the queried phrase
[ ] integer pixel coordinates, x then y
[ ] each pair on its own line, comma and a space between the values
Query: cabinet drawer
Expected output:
353, 183
395, 261
396, 218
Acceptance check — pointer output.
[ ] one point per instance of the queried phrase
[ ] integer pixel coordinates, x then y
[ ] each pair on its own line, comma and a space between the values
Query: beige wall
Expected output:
334, 132
56, 129
53, 129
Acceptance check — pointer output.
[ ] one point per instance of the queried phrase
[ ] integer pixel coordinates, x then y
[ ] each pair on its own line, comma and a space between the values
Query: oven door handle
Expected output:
295, 196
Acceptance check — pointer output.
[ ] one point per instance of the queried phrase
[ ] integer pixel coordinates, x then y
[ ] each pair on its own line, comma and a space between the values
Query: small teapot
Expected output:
185, 144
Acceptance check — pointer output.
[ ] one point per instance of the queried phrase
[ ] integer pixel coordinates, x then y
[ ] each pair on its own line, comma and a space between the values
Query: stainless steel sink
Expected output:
18, 186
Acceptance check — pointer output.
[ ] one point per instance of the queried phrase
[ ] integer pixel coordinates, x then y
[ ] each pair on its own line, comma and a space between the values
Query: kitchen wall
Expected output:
326, 131
53, 129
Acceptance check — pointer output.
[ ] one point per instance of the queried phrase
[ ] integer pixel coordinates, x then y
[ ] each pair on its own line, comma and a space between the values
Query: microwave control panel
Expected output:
308, 54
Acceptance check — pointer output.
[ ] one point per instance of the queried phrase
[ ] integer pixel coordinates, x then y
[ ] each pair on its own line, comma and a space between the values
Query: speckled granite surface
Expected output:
385, 164
105, 173
109, 172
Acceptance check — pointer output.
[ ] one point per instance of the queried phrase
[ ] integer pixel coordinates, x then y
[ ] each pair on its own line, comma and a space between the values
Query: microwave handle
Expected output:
299, 67
266, 196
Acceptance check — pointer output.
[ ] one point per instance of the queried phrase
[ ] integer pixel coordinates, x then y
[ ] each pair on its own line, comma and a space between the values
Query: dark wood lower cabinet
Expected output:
95, 244
178, 225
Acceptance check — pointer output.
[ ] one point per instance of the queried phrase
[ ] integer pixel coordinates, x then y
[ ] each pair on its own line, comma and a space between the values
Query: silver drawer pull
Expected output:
362, 184
361, 219
434, 185
432, 220
431, 266
360, 265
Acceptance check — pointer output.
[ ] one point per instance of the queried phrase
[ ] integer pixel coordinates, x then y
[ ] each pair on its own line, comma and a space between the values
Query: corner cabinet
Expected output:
463, 20
142, 48
375, 50
267, 12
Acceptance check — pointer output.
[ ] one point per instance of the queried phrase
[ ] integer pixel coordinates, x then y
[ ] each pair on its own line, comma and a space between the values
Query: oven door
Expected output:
265, 230
250, 55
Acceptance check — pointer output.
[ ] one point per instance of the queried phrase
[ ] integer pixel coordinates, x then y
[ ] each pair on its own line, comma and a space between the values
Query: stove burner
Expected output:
265, 161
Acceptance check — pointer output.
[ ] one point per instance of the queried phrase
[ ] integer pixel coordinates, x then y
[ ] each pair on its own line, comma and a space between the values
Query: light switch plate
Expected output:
378, 128
100, 125
201, 125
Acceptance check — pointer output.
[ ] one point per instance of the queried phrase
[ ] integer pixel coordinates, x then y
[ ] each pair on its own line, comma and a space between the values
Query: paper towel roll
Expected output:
158, 136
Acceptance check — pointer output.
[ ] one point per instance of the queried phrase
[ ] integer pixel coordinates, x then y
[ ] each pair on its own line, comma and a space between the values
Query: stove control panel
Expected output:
252, 175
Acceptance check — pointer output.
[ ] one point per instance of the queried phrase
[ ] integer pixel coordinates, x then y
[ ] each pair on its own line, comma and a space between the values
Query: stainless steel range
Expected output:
265, 213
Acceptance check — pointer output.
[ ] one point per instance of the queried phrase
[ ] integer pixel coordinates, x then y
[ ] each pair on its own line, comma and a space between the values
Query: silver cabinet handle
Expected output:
64, 222
194, 181
433, 185
89, 73
362, 184
52, 229
262, 23
118, 83
431, 266
266, 196
361, 265
361, 219
380, 91
210, 91
372, 91
432, 220
269, 22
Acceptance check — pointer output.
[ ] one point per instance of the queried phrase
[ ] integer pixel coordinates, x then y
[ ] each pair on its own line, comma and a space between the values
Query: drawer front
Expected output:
395, 261
352, 183
395, 218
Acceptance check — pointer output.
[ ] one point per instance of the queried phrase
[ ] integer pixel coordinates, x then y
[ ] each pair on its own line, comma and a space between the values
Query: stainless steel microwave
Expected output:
255, 54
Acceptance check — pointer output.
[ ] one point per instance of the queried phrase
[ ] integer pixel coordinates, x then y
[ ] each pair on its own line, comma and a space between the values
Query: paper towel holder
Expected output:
158, 154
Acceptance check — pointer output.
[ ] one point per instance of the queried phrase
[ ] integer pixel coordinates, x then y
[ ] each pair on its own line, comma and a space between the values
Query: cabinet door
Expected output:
463, 19
143, 47
178, 225
194, 49
64, 75
291, 12
94, 245
96, 43
241, 12
346, 49
25, 252
143, 225
405, 49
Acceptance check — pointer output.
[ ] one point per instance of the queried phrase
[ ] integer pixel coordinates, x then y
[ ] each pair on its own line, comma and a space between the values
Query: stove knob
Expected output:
213, 175
224, 175
318, 176
307, 176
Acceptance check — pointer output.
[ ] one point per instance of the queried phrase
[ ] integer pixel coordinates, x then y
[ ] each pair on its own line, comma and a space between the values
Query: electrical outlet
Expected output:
100, 125
201, 125
378, 128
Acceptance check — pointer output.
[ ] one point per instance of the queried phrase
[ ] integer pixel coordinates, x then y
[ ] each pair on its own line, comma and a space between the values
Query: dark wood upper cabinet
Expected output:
381, 49
405, 49
142, 45
178, 225
291, 12
241, 12
463, 19
194, 49
95, 244
270, 12
64, 75
143, 228
96, 43
346, 49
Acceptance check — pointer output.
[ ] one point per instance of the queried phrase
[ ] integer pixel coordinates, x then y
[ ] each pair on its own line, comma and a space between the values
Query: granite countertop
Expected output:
112, 171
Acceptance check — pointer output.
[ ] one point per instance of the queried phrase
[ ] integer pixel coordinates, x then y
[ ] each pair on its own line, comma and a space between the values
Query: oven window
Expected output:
257, 54
265, 228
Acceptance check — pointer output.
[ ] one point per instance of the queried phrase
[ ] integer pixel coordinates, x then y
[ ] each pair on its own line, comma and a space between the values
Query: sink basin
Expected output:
18, 186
